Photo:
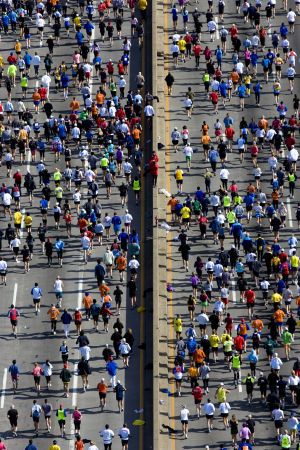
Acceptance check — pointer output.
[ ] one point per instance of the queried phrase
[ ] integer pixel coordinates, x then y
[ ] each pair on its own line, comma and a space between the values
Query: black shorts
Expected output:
13, 423
13, 322
278, 423
36, 300
61, 422
37, 379
102, 395
96, 317
36, 419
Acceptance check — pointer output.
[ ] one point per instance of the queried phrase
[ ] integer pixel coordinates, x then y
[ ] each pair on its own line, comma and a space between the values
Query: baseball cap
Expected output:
261, 373
111, 358
242, 320
221, 384
61, 406
65, 366
256, 329
191, 338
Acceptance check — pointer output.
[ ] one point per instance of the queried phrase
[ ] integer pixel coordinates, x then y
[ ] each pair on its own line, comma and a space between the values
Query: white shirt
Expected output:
276, 363
107, 436
239, 67
89, 175
285, 43
40, 23
257, 172
293, 381
220, 218
16, 242
188, 151
36, 60
87, 68
292, 58
76, 196
3, 266
187, 102
254, 40
184, 414
224, 174
127, 167
278, 414
174, 48
127, 218
6, 199
272, 161
264, 285
209, 265
149, 111
202, 319
212, 25
290, 71
218, 269
85, 241
270, 134
85, 351
47, 369
58, 286
215, 200
124, 433
224, 407
75, 132
219, 306
291, 16
35, 408
46, 80
293, 155
134, 264
209, 409
215, 85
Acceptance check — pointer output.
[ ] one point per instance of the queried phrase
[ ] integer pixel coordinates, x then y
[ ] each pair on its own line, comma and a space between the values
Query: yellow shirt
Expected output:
54, 447
1, 61
77, 21
185, 212
18, 47
223, 337
247, 79
295, 261
178, 174
193, 371
142, 4
181, 44
221, 394
276, 298
28, 220
214, 340
18, 217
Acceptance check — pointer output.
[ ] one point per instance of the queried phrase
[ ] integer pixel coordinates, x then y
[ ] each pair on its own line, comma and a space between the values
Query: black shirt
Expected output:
214, 321
13, 415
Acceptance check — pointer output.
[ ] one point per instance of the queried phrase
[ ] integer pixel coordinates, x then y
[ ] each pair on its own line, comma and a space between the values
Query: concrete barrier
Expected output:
160, 318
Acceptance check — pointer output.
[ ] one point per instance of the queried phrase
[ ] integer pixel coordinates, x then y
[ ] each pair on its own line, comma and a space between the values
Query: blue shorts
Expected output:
244, 336
279, 324
37, 102
85, 248
117, 227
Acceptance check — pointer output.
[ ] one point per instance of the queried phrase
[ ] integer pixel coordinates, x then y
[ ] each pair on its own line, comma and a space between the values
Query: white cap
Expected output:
275, 354
126, 210
106, 345
221, 384
102, 379
261, 373
123, 340
286, 328
118, 381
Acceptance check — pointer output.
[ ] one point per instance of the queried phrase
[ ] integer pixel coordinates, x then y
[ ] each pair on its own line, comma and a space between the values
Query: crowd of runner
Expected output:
102, 127
257, 261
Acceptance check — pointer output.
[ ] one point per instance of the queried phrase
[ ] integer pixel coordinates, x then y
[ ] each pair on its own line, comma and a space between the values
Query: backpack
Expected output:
77, 174
36, 413
13, 314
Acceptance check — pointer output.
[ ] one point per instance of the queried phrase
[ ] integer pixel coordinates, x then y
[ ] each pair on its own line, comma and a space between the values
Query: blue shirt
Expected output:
14, 370
174, 13
213, 156
270, 56
111, 368
223, 88
254, 57
36, 292
64, 80
27, 58
265, 62
248, 200
283, 31
66, 318
237, 229
44, 204
123, 237
243, 445
79, 37
116, 220
125, 60
270, 210
228, 121
89, 27
257, 87
242, 91
199, 195
59, 245
253, 127
31, 447
191, 346
97, 61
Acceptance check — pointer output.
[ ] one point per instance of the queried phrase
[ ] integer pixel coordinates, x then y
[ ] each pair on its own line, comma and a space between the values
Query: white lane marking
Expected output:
217, 29
240, 386
79, 301
75, 382
71, 445
233, 292
22, 223
289, 212
15, 294
235, 327
36, 84
3, 388
28, 159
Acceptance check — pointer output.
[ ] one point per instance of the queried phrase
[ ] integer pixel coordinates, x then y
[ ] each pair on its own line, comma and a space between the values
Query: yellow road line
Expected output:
169, 247
142, 317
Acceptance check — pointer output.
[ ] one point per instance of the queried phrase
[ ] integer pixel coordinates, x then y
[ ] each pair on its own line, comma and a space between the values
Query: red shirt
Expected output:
229, 133
43, 93
214, 97
121, 68
197, 49
233, 31
197, 393
233, 188
289, 142
239, 342
202, 220
250, 296
154, 168
187, 38
12, 59
120, 114
17, 176
283, 257
134, 121
88, 233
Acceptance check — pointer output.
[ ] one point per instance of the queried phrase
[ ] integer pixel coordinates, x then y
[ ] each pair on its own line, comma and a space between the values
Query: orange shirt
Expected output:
106, 299
279, 315
108, 3
74, 105
82, 223
79, 445
251, 189
100, 98
121, 262
103, 288
87, 301
36, 97
275, 195
94, 110
136, 133
53, 313
198, 356
298, 301
101, 387
206, 139
234, 76
173, 203
257, 324
263, 123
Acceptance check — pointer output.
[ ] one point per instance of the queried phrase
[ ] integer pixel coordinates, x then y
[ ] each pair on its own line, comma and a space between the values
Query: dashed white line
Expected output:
28, 159
79, 300
22, 223
75, 382
289, 212
217, 28
233, 292
15, 294
3, 388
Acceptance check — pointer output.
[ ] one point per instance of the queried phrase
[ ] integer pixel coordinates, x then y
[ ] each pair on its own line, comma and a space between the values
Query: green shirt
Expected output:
226, 201
24, 82
58, 192
231, 217
227, 346
269, 345
287, 338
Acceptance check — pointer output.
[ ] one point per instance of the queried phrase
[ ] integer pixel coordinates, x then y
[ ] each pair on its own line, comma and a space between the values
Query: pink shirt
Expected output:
76, 58
77, 415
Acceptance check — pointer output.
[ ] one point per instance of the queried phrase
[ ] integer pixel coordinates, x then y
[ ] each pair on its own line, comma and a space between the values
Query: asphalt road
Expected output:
186, 75
35, 343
